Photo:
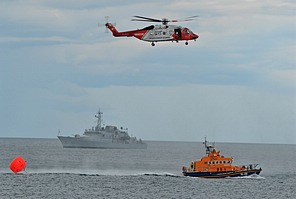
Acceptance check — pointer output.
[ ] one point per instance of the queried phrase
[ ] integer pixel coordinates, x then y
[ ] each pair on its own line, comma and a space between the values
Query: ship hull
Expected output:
222, 174
84, 142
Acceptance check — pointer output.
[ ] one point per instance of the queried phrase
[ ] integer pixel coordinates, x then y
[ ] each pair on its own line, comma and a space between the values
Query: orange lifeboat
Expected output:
214, 165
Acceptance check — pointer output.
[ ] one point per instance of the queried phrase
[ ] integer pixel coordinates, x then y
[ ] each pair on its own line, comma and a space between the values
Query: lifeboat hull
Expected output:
222, 174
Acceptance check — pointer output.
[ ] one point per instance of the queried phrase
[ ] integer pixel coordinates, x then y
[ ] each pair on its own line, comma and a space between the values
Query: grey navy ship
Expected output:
100, 137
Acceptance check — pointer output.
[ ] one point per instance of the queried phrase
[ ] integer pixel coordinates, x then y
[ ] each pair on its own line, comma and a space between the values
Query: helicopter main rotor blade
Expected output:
184, 19
191, 17
143, 20
146, 19
164, 20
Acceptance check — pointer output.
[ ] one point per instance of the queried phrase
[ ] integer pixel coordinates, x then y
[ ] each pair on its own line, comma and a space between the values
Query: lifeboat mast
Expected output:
209, 148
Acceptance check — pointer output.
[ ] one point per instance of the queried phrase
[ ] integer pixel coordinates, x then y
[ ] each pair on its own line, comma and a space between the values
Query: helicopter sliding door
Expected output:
178, 32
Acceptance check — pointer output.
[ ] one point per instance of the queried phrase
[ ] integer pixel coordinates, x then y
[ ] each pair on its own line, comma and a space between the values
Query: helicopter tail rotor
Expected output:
105, 24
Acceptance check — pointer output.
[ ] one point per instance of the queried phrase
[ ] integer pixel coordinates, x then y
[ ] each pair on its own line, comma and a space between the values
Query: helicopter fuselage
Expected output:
157, 33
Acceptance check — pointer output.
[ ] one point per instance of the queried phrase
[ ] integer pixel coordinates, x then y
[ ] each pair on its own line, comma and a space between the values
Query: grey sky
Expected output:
237, 83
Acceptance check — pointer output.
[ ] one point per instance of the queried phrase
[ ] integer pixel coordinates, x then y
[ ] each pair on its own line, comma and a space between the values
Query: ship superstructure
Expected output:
108, 137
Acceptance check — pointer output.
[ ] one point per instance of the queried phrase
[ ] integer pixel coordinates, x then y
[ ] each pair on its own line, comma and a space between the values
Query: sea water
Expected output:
155, 172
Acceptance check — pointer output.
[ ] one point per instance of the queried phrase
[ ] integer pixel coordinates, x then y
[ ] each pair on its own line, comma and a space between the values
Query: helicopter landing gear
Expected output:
152, 44
186, 43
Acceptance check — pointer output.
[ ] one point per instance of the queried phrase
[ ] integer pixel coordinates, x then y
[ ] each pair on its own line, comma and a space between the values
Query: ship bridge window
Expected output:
206, 162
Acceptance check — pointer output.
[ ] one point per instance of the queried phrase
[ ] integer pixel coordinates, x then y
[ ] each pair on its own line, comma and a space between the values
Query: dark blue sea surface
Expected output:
55, 172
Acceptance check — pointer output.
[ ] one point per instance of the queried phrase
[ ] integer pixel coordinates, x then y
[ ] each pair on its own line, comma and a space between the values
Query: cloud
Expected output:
285, 78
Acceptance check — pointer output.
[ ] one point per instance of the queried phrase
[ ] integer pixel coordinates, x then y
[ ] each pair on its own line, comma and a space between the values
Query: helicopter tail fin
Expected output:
112, 28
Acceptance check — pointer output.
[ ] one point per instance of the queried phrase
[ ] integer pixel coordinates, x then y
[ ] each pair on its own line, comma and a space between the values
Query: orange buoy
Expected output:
18, 164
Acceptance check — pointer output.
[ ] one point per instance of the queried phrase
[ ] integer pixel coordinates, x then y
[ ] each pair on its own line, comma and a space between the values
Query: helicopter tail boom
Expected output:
115, 32
112, 28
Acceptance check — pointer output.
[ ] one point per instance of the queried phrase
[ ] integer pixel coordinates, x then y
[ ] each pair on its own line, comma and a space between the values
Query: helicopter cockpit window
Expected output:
187, 31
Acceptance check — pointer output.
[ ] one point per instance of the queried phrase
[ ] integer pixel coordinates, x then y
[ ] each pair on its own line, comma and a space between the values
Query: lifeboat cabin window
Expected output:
206, 162
220, 162
224, 162
217, 162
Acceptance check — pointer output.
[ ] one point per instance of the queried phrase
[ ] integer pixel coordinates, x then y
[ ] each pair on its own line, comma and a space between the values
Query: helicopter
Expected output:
157, 33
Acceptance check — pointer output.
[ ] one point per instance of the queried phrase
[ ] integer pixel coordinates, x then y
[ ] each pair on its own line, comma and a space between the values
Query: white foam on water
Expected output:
254, 176
97, 172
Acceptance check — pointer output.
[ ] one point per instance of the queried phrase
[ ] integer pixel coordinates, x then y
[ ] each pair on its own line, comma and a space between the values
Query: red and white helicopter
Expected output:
157, 33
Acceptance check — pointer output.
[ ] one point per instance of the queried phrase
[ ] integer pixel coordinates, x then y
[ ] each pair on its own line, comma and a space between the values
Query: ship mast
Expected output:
99, 121
209, 148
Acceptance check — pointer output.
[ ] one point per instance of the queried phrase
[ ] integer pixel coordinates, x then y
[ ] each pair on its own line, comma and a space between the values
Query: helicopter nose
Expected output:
195, 36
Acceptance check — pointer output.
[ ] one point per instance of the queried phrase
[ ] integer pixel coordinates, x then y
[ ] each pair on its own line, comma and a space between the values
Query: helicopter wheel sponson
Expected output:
152, 44
186, 43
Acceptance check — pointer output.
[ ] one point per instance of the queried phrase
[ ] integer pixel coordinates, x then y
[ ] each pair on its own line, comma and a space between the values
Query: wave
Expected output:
120, 173
162, 174
94, 172
254, 177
